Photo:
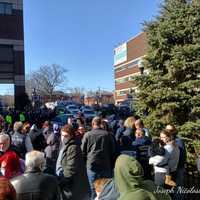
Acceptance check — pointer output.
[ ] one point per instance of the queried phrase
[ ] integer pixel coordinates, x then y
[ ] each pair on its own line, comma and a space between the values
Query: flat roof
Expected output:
132, 38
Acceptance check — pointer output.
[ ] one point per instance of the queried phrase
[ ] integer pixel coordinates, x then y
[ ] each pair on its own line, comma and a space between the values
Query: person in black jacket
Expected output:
20, 140
51, 153
37, 138
98, 150
70, 167
34, 184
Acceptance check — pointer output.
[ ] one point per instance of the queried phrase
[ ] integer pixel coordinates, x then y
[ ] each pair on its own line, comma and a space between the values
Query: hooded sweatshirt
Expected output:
129, 180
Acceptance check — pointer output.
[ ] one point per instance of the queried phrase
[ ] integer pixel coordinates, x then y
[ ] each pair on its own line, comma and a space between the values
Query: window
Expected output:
6, 67
122, 80
133, 63
128, 66
6, 54
122, 92
120, 69
5, 8
131, 78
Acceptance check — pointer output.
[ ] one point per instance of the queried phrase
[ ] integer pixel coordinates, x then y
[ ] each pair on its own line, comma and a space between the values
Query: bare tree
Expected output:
30, 84
46, 79
77, 91
8, 100
91, 93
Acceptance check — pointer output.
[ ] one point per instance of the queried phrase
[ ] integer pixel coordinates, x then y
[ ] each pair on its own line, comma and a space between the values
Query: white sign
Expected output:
120, 54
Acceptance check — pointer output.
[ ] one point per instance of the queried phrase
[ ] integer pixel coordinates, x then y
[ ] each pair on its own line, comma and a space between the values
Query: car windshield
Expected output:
74, 111
67, 112
88, 112
72, 107
87, 107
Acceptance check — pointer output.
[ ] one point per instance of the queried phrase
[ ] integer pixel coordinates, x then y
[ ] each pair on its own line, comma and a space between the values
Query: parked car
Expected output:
61, 119
109, 109
74, 113
72, 107
89, 115
86, 108
61, 110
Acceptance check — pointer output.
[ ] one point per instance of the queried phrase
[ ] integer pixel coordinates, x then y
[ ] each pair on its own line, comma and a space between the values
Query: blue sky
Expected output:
80, 35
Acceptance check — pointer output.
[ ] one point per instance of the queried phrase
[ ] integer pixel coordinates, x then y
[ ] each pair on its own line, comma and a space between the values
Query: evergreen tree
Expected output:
170, 92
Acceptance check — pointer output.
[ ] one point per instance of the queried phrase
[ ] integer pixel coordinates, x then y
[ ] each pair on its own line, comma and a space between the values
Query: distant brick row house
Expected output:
103, 98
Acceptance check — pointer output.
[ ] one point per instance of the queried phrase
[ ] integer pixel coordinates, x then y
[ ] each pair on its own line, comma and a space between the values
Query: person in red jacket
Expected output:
9, 160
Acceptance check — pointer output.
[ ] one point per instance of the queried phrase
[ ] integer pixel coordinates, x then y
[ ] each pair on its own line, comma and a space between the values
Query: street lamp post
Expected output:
34, 97
97, 97
141, 67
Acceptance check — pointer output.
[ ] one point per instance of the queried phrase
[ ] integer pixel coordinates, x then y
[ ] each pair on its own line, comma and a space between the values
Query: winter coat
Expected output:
159, 163
36, 185
98, 150
73, 176
183, 154
21, 144
37, 138
126, 146
172, 156
130, 132
11, 163
128, 176
46, 132
7, 191
51, 152
119, 132
141, 141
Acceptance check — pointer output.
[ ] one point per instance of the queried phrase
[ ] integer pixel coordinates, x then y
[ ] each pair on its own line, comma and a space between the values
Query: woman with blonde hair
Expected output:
130, 128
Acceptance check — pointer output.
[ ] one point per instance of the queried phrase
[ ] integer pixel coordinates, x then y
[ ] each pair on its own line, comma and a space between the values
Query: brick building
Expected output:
127, 59
103, 98
12, 46
90, 99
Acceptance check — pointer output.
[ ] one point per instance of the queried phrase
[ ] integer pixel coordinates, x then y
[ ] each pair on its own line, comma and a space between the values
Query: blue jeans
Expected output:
92, 176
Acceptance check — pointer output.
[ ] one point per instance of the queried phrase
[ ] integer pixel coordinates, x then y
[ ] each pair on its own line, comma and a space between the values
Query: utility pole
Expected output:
99, 92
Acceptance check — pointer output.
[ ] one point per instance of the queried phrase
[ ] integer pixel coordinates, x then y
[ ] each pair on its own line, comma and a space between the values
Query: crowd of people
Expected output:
112, 160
